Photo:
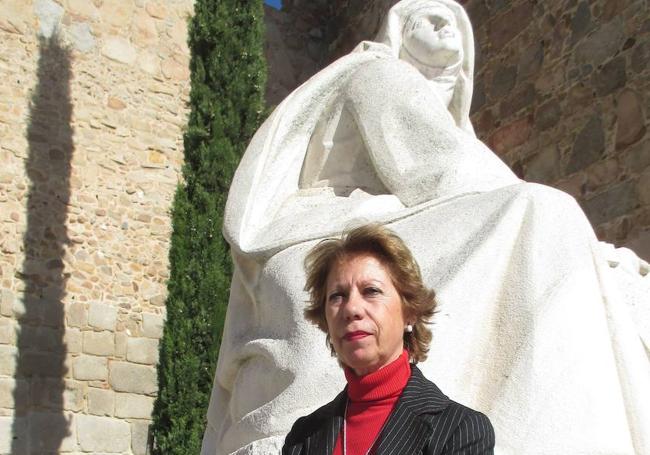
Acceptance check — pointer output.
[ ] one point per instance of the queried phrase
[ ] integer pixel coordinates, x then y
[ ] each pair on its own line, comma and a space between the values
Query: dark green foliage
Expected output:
226, 101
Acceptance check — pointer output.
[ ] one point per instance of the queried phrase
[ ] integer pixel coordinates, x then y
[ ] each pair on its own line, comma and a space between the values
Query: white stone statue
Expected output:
540, 326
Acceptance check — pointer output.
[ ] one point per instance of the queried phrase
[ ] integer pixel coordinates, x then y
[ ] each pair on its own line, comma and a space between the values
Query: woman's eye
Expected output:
335, 297
372, 291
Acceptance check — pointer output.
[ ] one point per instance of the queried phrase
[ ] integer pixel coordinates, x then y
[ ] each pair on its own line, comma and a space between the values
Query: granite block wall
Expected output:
296, 45
92, 107
562, 95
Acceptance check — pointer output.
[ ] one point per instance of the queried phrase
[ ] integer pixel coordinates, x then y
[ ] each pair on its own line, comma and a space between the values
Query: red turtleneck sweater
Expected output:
371, 399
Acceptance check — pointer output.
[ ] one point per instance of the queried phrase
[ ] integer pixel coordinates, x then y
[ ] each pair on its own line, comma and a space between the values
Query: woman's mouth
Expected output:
356, 335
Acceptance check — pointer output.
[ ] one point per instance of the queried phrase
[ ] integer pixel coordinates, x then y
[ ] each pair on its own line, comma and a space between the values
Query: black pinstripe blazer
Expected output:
424, 421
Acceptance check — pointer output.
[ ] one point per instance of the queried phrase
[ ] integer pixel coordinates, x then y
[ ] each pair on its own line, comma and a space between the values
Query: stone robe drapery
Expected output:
532, 328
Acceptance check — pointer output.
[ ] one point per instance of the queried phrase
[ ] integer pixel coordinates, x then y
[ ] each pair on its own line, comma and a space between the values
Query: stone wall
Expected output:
296, 45
562, 94
92, 107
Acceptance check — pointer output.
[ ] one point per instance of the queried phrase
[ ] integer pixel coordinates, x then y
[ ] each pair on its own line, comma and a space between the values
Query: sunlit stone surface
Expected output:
540, 326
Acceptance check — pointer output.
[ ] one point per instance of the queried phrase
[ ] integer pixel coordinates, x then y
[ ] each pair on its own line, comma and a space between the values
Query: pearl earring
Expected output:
408, 328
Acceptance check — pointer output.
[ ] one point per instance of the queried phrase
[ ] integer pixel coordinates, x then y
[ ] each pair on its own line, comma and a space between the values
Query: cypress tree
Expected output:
228, 77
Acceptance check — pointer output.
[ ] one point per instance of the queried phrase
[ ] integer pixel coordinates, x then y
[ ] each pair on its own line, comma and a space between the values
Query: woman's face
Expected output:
431, 36
364, 314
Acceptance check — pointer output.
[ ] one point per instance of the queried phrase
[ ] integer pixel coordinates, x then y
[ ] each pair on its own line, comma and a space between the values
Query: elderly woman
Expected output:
367, 295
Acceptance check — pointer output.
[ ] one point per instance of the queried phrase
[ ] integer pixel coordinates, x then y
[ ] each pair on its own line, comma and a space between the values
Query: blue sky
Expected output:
277, 4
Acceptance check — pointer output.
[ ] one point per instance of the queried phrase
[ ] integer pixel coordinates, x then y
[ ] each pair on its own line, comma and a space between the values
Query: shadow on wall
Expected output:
40, 424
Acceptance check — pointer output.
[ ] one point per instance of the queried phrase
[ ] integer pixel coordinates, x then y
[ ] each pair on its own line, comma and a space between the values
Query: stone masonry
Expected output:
296, 45
562, 95
92, 107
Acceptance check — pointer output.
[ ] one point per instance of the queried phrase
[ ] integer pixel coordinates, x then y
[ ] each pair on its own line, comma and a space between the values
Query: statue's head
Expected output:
435, 35
431, 38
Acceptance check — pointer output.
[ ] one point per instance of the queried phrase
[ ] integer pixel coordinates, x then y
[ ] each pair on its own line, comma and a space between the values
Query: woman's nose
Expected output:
353, 308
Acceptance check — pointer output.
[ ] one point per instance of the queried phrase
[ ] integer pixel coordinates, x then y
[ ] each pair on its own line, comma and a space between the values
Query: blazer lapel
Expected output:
323, 441
405, 432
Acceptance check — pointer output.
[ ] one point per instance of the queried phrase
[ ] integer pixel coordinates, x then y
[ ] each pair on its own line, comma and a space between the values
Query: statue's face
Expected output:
432, 38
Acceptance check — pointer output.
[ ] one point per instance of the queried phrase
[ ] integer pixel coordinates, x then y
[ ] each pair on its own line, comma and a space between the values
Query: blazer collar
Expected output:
405, 431
420, 396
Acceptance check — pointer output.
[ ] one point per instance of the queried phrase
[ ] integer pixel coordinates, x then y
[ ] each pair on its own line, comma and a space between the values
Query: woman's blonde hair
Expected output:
418, 301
